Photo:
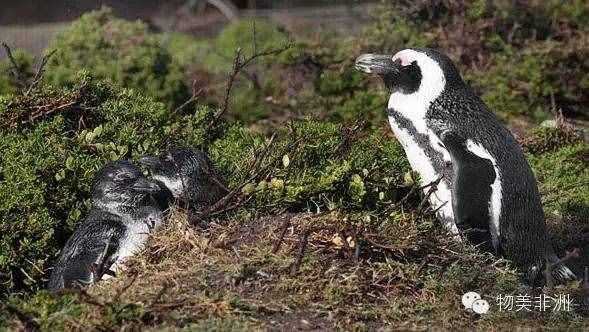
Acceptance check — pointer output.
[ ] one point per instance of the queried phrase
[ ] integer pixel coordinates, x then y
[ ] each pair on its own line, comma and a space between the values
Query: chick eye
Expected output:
123, 176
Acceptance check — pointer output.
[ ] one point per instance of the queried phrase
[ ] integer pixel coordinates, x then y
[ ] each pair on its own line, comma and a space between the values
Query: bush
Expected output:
123, 52
315, 167
9, 82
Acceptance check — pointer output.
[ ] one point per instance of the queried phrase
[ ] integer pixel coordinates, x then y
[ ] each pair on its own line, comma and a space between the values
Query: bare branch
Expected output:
239, 63
40, 71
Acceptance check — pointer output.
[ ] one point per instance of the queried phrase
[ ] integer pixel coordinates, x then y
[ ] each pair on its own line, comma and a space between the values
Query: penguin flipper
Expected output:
471, 193
88, 254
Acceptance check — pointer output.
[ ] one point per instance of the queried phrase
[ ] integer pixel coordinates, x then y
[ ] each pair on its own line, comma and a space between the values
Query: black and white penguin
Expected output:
189, 175
487, 190
123, 214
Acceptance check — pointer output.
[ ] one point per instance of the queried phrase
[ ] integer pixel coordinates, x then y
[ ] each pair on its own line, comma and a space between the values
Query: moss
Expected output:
124, 52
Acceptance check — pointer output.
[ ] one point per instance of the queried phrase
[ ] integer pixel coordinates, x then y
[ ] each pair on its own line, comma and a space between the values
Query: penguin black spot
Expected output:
448, 132
122, 215
189, 175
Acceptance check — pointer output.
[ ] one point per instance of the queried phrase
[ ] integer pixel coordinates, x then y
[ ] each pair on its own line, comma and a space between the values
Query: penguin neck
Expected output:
121, 209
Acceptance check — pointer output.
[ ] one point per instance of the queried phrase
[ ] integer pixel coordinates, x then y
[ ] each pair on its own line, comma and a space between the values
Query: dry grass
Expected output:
233, 276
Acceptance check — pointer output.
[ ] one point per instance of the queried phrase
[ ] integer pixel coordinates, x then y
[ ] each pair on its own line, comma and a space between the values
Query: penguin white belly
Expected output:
135, 238
441, 199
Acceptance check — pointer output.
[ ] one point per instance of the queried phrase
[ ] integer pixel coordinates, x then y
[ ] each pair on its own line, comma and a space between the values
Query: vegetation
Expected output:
123, 52
328, 230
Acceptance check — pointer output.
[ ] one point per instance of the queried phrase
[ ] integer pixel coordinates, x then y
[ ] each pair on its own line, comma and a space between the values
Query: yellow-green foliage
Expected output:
124, 52
314, 167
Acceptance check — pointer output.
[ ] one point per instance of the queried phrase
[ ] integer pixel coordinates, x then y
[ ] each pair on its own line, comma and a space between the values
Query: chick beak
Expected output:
145, 186
150, 162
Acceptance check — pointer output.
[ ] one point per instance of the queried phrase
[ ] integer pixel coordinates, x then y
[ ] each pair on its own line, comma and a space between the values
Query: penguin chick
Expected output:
487, 190
190, 176
121, 217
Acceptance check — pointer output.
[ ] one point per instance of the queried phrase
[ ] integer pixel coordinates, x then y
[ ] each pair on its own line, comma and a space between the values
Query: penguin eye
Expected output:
123, 176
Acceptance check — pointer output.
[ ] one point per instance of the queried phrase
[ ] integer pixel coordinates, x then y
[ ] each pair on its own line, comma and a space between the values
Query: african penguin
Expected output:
123, 214
487, 191
190, 175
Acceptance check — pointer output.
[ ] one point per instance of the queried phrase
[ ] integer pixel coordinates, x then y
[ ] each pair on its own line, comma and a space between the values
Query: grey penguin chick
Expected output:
189, 175
488, 192
123, 214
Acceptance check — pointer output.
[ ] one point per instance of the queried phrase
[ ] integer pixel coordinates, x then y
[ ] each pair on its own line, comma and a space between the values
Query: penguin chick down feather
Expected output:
123, 214
189, 175
487, 193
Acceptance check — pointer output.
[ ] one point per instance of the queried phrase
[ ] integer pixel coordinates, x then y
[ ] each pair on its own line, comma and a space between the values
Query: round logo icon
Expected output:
469, 298
480, 306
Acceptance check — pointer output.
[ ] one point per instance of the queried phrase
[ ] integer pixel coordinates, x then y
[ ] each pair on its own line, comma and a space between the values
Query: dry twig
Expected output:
239, 63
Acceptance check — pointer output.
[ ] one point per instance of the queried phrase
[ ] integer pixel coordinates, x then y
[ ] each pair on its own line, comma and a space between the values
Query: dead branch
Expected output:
159, 295
413, 190
348, 135
304, 240
283, 230
17, 71
123, 289
193, 97
576, 252
433, 187
256, 172
40, 71
239, 63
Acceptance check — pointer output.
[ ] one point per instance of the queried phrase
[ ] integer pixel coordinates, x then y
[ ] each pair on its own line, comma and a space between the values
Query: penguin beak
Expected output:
377, 64
150, 162
146, 186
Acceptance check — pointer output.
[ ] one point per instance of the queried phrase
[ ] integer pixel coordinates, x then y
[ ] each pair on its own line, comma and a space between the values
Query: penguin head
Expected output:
188, 174
176, 169
121, 184
420, 72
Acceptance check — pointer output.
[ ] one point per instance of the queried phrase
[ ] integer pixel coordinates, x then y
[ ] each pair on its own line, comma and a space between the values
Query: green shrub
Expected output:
314, 167
124, 52
9, 82
241, 35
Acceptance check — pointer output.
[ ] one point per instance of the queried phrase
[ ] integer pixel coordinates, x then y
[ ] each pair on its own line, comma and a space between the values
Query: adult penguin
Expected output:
486, 190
